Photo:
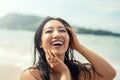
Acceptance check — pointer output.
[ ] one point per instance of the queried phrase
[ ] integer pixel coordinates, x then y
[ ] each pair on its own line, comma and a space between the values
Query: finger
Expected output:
54, 57
50, 54
69, 28
51, 57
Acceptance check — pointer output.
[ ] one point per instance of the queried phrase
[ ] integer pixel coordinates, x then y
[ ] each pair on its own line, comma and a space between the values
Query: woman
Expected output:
54, 42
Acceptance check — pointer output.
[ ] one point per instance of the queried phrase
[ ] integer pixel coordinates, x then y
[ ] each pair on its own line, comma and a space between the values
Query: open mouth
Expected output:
58, 43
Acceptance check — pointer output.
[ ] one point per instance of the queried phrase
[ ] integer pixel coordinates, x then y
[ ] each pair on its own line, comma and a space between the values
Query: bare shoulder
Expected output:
31, 74
89, 70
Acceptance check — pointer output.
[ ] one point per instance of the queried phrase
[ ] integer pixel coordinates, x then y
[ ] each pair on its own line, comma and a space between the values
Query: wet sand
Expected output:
9, 72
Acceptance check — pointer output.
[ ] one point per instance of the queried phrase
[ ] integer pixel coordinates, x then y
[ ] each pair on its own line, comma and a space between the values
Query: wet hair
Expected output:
74, 66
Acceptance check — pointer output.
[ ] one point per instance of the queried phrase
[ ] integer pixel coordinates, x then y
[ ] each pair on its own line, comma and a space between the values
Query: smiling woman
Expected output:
55, 37
54, 43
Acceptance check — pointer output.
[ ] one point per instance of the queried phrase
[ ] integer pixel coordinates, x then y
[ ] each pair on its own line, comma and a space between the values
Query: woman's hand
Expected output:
57, 65
75, 44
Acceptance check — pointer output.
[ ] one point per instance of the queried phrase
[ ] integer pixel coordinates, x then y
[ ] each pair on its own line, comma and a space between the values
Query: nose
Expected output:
56, 34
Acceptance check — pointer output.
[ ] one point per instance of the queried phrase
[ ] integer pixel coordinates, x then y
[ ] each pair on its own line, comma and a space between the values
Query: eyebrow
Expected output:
52, 27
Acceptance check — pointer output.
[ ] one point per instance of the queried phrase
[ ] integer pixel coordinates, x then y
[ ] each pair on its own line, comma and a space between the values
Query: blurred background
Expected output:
97, 25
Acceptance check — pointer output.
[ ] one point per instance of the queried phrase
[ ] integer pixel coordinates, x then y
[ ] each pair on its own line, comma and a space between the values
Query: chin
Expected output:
58, 52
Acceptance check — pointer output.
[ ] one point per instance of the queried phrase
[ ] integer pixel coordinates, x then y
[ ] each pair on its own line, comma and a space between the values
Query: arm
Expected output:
102, 67
65, 76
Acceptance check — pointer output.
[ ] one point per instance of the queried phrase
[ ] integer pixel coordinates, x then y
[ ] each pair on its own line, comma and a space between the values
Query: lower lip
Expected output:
57, 46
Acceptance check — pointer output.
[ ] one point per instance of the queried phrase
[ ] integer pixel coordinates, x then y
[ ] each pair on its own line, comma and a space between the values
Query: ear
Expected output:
40, 45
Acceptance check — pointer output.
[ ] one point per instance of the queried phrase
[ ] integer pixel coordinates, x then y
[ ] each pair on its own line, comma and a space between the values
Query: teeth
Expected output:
57, 43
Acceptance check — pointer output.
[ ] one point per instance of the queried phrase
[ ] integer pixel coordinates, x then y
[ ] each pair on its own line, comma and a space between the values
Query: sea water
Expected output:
16, 48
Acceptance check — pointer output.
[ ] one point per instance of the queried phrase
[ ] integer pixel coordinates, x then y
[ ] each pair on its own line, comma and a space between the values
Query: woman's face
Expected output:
55, 37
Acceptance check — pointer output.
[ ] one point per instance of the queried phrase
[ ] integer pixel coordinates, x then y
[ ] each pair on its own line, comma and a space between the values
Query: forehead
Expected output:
53, 23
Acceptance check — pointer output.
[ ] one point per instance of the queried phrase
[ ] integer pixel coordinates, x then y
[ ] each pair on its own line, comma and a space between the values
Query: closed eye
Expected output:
48, 31
62, 30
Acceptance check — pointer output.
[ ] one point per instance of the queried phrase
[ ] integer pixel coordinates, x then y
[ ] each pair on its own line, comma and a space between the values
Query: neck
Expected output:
61, 57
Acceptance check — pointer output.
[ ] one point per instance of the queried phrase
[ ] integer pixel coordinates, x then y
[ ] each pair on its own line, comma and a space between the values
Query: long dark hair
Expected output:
74, 66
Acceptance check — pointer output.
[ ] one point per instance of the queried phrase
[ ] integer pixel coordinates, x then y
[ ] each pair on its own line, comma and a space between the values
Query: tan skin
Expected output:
55, 32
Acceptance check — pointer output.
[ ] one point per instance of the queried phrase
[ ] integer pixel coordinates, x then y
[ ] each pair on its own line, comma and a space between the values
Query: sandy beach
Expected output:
10, 72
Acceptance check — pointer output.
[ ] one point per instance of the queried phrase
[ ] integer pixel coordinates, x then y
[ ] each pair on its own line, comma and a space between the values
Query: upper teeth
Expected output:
57, 42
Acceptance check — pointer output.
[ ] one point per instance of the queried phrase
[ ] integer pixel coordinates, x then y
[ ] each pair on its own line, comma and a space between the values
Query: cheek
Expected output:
67, 39
45, 41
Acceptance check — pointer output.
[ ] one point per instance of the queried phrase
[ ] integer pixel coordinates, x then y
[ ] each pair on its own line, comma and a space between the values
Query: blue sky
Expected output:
93, 14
